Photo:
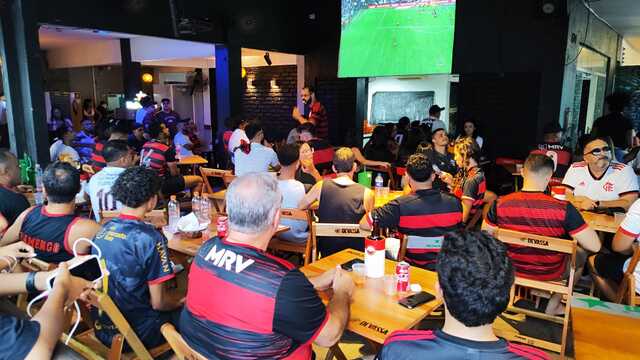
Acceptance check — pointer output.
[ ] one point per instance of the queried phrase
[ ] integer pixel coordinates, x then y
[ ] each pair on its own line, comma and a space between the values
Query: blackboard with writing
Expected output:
389, 106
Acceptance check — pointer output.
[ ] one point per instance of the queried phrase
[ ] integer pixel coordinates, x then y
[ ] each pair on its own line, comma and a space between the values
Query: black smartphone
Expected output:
89, 270
416, 300
349, 264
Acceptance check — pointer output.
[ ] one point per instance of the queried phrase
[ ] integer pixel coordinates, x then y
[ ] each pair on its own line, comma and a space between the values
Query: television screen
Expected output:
396, 37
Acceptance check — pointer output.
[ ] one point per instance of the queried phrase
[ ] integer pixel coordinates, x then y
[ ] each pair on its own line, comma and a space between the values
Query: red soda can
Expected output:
222, 225
402, 274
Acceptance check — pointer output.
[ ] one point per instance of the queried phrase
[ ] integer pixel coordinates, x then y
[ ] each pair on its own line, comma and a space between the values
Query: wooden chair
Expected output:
32, 265
341, 230
564, 287
625, 292
217, 196
88, 345
156, 217
307, 249
182, 350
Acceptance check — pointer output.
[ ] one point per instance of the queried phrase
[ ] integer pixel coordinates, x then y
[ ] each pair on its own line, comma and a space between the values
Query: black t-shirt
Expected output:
18, 336
12, 204
614, 125
444, 163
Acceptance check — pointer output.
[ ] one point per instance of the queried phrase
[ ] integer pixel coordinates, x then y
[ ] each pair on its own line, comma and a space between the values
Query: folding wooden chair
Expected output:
88, 345
217, 196
341, 230
625, 292
182, 350
564, 287
156, 217
31, 265
307, 249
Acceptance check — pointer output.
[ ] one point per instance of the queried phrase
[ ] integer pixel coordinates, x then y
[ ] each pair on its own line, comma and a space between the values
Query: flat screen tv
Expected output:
396, 37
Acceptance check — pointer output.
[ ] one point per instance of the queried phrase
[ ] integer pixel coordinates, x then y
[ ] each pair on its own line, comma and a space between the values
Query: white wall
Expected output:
436, 83
93, 53
147, 48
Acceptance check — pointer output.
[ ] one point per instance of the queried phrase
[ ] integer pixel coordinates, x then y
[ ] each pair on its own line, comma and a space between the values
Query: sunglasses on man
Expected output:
599, 151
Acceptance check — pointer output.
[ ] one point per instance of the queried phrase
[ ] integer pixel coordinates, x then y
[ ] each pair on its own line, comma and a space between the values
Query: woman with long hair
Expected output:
470, 130
469, 184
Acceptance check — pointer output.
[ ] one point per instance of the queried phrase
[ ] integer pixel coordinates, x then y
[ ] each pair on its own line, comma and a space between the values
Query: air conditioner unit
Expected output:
173, 78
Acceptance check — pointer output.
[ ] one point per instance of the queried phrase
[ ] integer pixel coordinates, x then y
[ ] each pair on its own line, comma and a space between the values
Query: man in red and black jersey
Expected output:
532, 211
474, 280
424, 216
552, 148
244, 303
119, 130
158, 154
315, 113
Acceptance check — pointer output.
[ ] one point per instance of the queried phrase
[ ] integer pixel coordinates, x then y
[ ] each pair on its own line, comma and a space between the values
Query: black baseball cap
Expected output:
435, 109
552, 128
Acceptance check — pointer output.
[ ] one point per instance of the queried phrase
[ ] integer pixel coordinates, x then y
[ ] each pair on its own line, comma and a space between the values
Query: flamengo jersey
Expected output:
631, 227
154, 156
99, 190
560, 155
48, 234
618, 180
540, 214
97, 160
243, 303
425, 217
472, 188
419, 344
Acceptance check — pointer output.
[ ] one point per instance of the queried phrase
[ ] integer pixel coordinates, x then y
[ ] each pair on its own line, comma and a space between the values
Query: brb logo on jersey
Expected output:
608, 186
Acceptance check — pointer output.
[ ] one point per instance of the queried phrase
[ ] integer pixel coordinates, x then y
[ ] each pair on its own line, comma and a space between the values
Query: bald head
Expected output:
252, 202
9, 170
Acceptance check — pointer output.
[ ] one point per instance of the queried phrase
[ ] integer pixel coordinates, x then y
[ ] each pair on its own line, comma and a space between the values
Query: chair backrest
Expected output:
627, 289
178, 345
156, 217
342, 230
212, 173
536, 241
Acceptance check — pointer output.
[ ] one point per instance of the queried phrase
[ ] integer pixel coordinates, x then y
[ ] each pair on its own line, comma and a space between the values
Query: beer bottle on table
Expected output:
374, 248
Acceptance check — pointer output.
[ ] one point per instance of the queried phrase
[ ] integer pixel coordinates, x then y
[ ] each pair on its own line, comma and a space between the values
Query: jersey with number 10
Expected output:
99, 190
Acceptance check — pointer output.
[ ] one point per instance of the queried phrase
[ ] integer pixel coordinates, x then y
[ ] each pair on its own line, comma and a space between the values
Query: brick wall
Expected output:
272, 105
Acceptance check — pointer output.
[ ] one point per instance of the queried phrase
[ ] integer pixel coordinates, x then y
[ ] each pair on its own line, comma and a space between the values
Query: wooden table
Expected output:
193, 161
375, 315
602, 222
383, 200
603, 330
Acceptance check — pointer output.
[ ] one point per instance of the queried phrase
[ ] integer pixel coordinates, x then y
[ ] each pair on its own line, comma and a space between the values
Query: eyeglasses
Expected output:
599, 151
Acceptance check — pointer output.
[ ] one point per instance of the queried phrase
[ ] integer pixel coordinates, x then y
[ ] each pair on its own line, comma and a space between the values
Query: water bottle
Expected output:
174, 214
38, 195
379, 184
205, 208
195, 205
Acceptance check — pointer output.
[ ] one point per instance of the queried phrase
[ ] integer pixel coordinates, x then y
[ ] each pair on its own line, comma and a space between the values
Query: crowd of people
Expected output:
242, 301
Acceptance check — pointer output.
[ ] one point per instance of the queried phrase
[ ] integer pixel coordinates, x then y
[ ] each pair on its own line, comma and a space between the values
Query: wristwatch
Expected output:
31, 283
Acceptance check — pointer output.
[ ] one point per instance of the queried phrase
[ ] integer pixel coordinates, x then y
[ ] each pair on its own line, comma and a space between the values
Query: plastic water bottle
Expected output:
174, 214
195, 204
38, 195
205, 208
378, 184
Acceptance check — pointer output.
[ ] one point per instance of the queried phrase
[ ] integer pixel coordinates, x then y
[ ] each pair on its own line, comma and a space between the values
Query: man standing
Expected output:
599, 182
255, 305
434, 118
168, 116
425, 215
118, 158
315, 113
147, 107
551, 147
615, 125
532, 211
12, 203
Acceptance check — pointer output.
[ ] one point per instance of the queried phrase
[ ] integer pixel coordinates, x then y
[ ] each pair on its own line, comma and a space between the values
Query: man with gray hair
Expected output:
244, 303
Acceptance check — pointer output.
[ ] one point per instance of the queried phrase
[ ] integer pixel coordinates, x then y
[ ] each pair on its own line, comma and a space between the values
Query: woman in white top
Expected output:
61, 147
470, 129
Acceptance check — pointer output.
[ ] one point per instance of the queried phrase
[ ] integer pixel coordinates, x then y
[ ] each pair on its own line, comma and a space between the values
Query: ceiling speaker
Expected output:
551, 8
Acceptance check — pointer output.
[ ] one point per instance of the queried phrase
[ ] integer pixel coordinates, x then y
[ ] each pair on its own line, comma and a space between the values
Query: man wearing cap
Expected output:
551, 147
434, 118
168, 117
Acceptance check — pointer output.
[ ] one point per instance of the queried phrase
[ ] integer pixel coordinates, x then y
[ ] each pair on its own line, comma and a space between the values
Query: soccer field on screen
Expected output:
398, 41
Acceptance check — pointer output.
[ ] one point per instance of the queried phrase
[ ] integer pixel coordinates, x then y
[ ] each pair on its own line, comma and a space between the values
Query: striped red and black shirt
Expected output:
155, 155
318, 114
424, 217
472, 187
97, 160
539, 214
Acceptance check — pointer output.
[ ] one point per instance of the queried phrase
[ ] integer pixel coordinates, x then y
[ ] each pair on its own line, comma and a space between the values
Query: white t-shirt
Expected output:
292, 192
618, 180
234, 140
59, 148
180, 140
631, 226
99, 190
257, 160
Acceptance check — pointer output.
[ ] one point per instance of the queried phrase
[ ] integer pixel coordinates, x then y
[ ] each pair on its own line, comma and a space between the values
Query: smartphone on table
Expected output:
415, 300
348, 266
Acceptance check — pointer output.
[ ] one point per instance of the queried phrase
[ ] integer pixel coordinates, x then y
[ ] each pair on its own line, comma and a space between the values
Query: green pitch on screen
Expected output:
398, 41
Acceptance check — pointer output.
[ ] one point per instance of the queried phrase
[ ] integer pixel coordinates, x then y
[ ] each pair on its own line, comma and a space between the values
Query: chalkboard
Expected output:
389, 106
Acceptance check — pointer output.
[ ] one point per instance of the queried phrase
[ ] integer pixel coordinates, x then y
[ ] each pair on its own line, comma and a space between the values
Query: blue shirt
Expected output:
257, 160
18, 336
84, 145
137, 256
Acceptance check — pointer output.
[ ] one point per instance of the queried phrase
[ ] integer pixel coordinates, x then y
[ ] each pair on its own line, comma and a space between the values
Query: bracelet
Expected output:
31, 283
